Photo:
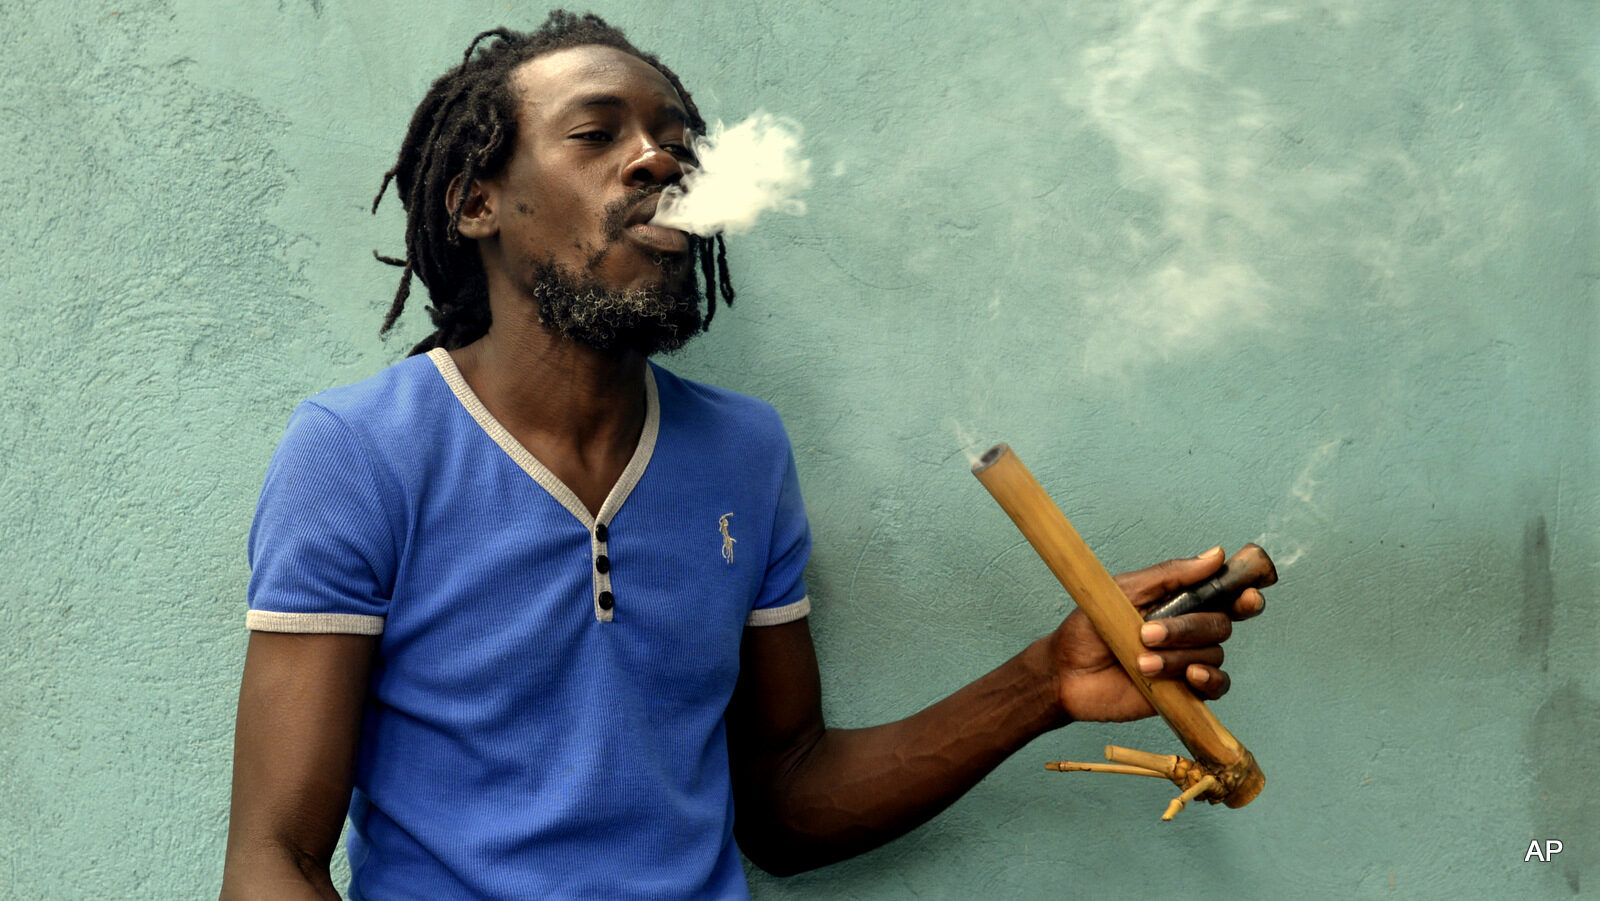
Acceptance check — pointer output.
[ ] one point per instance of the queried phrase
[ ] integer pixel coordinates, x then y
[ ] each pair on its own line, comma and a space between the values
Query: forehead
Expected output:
550, 83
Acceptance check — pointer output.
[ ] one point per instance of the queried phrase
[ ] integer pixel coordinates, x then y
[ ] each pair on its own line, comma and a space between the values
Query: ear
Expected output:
478, 219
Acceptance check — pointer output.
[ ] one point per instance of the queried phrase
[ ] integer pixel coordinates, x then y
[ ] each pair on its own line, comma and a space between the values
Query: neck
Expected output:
541, 386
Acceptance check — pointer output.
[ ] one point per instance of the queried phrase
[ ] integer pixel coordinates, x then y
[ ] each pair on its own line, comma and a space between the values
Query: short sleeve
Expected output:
323, 554
783, 590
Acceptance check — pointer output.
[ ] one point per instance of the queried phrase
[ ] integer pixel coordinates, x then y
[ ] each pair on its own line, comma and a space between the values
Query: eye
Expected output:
592, 136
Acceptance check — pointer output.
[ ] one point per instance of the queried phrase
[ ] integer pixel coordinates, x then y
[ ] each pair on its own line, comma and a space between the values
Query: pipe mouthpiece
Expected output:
1250, 567
1254, 566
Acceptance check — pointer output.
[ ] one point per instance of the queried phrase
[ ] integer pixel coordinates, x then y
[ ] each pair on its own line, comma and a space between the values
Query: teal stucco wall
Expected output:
1320, 273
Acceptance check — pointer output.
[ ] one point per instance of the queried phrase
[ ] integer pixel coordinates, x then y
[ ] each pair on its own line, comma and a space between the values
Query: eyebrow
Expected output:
669, 111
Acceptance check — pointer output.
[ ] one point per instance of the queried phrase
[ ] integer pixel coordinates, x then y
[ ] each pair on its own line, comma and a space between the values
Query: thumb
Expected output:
1153, 583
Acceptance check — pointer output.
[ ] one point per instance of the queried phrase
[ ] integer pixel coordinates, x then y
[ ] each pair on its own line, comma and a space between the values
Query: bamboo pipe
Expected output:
1217, 753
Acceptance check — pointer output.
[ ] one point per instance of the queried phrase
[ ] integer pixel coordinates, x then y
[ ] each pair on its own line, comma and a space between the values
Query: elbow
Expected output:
270, 869
781, 849
776, 860
776, 866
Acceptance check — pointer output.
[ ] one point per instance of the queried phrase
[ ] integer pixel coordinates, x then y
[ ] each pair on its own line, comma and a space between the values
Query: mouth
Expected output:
657, 238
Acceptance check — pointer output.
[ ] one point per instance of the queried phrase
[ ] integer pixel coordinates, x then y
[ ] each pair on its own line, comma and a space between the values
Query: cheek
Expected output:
556, 210
567, 218
549, 226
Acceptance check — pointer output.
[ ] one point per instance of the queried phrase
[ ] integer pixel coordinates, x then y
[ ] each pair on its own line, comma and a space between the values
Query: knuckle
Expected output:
1182, 631
1174, 574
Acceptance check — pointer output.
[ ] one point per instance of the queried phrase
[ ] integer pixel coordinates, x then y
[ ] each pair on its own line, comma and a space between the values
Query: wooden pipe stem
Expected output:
1073, 766
1114, 617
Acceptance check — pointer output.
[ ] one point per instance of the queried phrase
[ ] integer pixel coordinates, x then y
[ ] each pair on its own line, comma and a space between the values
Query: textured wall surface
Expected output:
1323, 274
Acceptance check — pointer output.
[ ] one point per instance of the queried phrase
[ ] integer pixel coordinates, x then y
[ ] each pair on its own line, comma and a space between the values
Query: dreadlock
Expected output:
466, 129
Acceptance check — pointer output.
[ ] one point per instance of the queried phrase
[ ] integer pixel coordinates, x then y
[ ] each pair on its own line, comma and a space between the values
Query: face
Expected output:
600, 134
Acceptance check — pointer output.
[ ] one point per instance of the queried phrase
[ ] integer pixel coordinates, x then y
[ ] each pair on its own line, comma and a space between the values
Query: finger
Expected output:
1249, 603
1175, 664
1155, 582
1191, 630
1210, 682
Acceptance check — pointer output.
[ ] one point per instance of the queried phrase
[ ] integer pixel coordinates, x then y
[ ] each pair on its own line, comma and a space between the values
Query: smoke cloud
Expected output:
746, 170
1200, 144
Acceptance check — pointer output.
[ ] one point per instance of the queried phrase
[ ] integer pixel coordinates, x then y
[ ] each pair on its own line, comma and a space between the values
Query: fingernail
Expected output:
1149, 664
1199, 676
1152, 633
1215, 550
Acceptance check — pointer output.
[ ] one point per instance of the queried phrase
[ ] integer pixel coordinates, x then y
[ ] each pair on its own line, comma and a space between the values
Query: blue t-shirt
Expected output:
545, 714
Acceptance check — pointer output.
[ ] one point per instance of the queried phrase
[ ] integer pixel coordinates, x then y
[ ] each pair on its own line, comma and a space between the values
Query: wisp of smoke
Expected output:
744, 171
1285, 535
969, 444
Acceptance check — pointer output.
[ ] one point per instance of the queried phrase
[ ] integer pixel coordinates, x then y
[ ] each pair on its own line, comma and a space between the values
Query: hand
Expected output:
1091, 684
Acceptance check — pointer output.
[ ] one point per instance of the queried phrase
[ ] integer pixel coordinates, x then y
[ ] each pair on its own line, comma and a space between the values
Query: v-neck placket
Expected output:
599, 525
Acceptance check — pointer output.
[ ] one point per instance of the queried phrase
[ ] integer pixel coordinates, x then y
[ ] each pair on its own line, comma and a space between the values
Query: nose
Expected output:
651, 165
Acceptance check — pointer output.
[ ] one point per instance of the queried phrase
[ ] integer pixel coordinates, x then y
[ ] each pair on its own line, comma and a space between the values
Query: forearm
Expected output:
849, 790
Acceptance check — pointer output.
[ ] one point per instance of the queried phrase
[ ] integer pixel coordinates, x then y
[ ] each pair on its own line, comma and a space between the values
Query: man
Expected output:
528, 608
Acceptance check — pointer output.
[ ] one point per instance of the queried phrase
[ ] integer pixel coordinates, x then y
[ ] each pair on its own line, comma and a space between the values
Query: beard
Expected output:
645, 320
652, 320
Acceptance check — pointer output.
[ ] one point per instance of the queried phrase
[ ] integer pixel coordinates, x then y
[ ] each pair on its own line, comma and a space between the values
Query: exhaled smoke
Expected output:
744, 171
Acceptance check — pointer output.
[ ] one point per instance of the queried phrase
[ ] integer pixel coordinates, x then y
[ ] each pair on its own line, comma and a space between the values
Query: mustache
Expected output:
616, 213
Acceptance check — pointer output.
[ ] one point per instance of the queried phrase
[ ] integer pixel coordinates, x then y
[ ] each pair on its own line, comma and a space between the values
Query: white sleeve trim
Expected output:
777, 616
313, 623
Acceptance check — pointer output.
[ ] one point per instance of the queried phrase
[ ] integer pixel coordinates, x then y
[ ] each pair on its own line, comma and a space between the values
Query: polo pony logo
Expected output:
727, 540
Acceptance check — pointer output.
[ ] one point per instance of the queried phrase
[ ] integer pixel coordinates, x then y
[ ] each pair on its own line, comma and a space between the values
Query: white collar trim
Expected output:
538, 471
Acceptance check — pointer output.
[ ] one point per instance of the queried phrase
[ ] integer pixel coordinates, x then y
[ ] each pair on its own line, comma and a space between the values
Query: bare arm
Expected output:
294, 755
808, 795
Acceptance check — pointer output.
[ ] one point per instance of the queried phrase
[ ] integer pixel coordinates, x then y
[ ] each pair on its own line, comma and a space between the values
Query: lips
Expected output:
657, 238
653, 237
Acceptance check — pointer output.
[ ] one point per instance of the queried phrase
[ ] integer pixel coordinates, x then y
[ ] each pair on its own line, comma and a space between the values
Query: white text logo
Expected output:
1552, 847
